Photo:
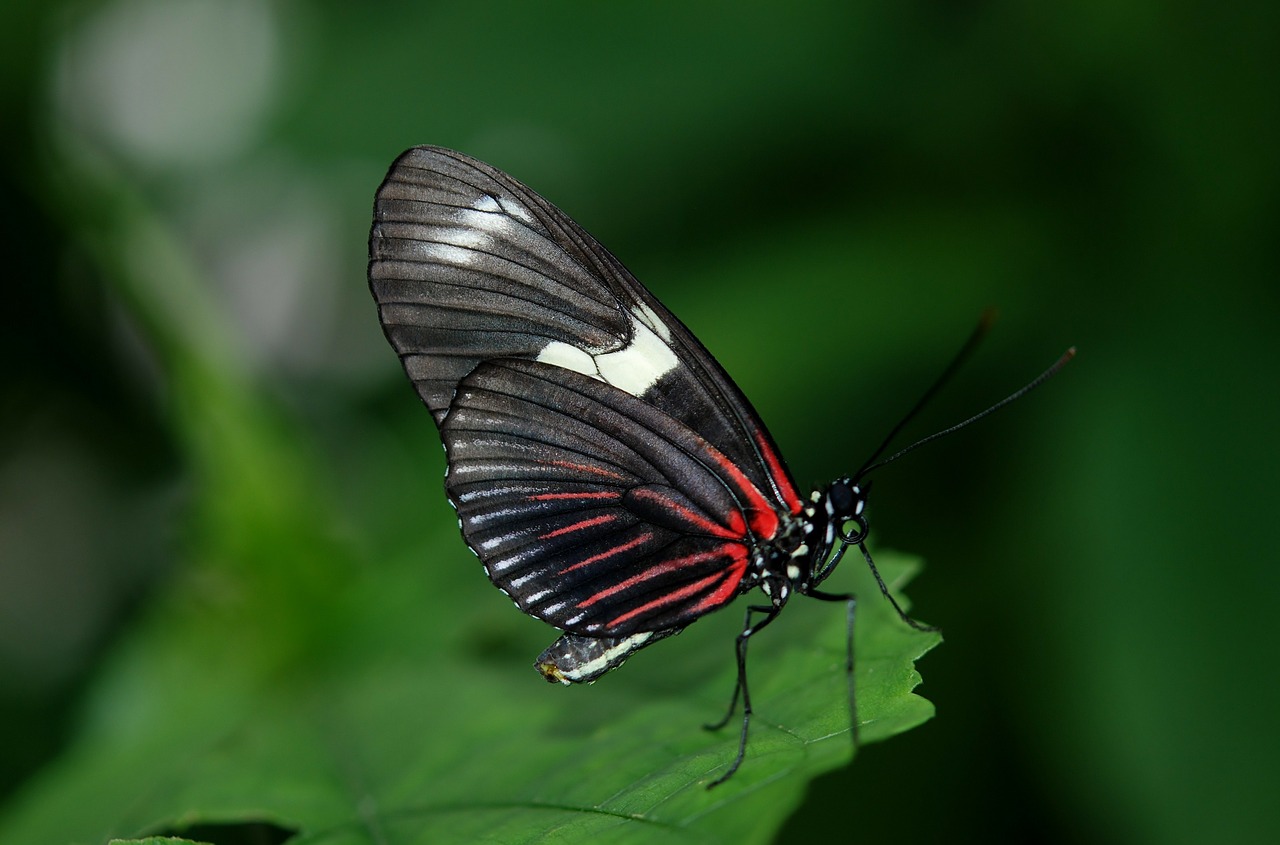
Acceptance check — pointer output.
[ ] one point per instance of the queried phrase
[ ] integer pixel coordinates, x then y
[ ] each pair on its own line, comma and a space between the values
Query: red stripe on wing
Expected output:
760, 514
662, 568
736, 529
781, 478
579, 526
550, 497
722, 594
589, 468
608, 553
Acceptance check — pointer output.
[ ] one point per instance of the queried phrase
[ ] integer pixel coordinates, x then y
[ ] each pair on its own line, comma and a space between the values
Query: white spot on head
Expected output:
814, 496
793, 572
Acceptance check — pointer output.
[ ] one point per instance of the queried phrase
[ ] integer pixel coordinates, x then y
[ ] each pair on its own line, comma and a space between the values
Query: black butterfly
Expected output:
608, 473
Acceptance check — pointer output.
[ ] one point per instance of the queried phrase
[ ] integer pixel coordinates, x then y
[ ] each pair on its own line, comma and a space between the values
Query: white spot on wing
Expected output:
517, 583
516, 210
488, 492
502, 564
462, 236
608, 657
638, 367
494, 542
474, 230
635, 368
560, 354
484, 216
447, 254
479, 519
650, 319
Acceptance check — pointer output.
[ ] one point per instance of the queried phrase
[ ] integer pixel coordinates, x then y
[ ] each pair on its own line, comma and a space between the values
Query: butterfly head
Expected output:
846, 504
836, 520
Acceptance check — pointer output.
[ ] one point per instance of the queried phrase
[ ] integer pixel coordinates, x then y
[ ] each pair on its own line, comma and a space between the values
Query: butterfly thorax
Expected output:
798, 558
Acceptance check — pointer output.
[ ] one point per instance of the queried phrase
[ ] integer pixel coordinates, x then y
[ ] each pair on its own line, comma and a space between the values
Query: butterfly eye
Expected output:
840, 498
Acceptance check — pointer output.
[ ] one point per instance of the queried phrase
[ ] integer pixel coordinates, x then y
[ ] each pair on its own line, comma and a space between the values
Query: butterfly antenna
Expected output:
985, 322
1017, 394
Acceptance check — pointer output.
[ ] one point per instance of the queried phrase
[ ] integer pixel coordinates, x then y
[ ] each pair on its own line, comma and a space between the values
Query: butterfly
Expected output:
612, 479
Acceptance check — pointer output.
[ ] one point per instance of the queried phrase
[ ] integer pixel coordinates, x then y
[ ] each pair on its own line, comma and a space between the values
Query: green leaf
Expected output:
404, 738
283, 680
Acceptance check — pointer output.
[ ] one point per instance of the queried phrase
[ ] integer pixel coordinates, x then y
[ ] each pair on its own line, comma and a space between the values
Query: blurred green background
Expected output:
828, 194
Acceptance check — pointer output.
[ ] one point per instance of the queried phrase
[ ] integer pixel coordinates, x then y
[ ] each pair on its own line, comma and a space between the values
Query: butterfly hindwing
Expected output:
593, 510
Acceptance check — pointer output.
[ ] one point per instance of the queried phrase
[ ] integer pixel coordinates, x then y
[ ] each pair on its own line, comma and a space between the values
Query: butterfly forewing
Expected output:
593, 510
468, 265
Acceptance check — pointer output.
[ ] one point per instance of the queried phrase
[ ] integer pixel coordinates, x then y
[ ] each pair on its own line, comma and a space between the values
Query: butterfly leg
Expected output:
748, 629
851, 609
919, 626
